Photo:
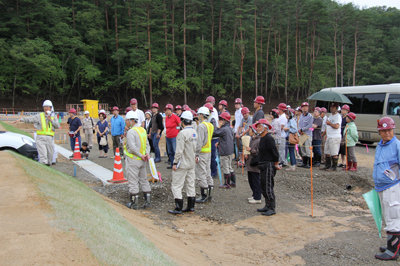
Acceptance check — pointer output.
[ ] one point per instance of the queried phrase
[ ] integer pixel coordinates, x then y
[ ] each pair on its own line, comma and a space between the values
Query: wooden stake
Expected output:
312, 189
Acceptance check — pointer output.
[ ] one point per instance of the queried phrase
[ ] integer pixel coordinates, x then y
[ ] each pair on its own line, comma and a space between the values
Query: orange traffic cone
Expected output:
77, 152
118, 175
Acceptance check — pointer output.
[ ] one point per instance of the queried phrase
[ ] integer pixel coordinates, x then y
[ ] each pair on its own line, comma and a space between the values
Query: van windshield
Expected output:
393, 106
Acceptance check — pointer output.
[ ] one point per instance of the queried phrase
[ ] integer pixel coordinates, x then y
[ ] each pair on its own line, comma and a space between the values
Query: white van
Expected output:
371, 103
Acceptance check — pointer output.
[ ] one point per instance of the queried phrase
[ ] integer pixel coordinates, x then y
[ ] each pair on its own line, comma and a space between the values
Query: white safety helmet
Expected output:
87, 112
204, 111
187, 115
47, 103
131, 115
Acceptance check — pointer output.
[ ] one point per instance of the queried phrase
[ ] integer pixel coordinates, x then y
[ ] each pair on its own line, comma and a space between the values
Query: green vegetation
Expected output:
12, 129
116, 49
110, 237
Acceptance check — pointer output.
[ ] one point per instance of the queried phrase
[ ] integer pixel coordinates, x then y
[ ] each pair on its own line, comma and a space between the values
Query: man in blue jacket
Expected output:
387, 184
117, 130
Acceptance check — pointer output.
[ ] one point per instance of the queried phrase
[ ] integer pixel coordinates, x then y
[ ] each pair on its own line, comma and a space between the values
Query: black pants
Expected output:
267, 174
255, 184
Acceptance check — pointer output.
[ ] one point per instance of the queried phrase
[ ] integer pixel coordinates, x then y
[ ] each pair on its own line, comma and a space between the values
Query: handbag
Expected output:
254, 161
103, 141
294, 138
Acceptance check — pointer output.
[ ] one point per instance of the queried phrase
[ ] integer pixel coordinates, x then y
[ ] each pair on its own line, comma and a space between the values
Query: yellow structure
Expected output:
92, 106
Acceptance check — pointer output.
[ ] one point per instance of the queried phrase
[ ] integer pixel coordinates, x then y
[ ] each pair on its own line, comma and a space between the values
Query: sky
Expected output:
371, 3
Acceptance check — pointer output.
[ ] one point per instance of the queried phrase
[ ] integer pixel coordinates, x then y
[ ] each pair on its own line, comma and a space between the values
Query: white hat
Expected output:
47, 103
187, 115
131, 115
204, 111
87, 112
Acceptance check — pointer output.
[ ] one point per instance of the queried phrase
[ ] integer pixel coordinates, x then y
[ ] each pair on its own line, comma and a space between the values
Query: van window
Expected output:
373, 103
356, 99
393, 106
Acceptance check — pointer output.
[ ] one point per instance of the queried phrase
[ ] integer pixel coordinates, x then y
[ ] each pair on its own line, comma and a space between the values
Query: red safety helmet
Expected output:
209, 106
346, 107
102, 112
178, 107
386, 123
193, 113
282, 107
352, 116
210, 99
71, 134
223, 102
226, 116
323, 110
187, 108
238, 100
72, 110
169, 106
115, 108
318, 109
254, 126
292, 110
133, 101
259, 99
155, 105
245, 110
264, 122
128, 109
305, 104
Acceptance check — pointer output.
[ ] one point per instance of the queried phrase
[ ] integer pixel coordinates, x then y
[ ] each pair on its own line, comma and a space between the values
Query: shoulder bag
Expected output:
294, 138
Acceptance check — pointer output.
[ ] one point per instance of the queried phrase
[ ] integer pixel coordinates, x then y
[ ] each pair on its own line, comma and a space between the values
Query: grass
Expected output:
110, 237
13, 129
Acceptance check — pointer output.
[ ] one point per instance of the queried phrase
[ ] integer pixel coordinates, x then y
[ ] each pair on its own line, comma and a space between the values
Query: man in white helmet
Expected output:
184, 165
137, 150
45, 124
88, 128
205, 132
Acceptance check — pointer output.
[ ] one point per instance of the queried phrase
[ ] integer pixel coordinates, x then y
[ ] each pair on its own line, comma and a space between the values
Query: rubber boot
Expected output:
203, 196
354, 167
266, 207
147, 203
233, 179
317, 161
210, 192
178, 207
307, 166
134, 203
304, 162
227, 178
348, 166
328, 161
334, 165
393, 245
271, 209
190, 205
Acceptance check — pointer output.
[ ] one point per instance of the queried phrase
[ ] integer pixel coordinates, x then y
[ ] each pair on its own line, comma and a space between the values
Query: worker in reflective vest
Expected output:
45, 123
137, 150
205, 131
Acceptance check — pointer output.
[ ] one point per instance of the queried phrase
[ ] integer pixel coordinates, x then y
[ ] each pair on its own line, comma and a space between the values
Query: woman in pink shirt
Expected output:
172, 122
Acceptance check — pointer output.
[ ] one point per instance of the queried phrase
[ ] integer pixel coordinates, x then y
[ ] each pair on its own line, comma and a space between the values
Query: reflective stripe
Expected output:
210, 130
143, 138
46, 130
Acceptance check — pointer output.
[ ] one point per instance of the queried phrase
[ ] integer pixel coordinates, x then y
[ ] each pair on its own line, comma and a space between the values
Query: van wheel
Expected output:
366, 142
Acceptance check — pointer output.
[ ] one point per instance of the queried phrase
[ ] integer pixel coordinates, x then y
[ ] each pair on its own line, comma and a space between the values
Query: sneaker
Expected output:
225, 186
250, 198
253, 201
291, 168
112, 157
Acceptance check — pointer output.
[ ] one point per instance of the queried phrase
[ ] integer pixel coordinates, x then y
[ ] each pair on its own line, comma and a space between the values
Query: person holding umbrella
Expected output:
333, 137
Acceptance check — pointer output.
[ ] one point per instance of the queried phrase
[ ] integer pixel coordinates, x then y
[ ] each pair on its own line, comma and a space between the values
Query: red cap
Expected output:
169, 106
133, 101
209, 106
128, 109
259, 99
178, 107
115, 108
155, 105
264, 122
305, 104
223, 102
238, 100
226, 116
282, 107
72, 110
386, 123
210, 99
346, 107
245, 110
352, 116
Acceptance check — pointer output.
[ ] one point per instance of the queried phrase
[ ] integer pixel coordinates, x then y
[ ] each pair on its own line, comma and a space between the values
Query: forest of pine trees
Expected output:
185, 49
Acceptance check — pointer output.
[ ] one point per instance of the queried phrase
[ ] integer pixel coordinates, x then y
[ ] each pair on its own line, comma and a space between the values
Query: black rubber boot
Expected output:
210, 192
271, 209
204, 196
317, 162
304, 162
227, 178
393, 245
328, 161
190, 205
265, 208
307, 166
147, 203
134, 203
233, 179
178, 207
334, 165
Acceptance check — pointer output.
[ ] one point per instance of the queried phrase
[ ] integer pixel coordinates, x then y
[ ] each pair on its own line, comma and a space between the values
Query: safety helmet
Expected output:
245, 110
178, 107
115, 108
264, 122
291, 111
274, 113
155, 105
148, 112
193, 113
352, 116
169, 106
131, 115
226, 116
71, 134
238, 100
47, 103
103, 113
86, 112
187, 115
305, 104
187, 109
323, 110
185, 106
72, 110
259, 99
210, 99
386, 123
254, 127
224, 103
209, 106
204, 111
282, 106
128, 109
346, 107
317, 109
133, 101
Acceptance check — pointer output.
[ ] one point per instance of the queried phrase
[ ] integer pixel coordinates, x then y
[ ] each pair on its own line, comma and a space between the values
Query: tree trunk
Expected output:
341, 58
27, 20
184, 48
14, 85
106, 13
212, 34
165, 31
202, 64
255, 47
261, 54
219, 35
287, 60
149, 47
173, 30
116, 25
129, 14
266, 64
335, 54
355, 55
241, 54
73, 14
297, 60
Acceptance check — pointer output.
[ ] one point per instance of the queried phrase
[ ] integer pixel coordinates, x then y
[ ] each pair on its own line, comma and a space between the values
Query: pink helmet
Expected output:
72, 110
